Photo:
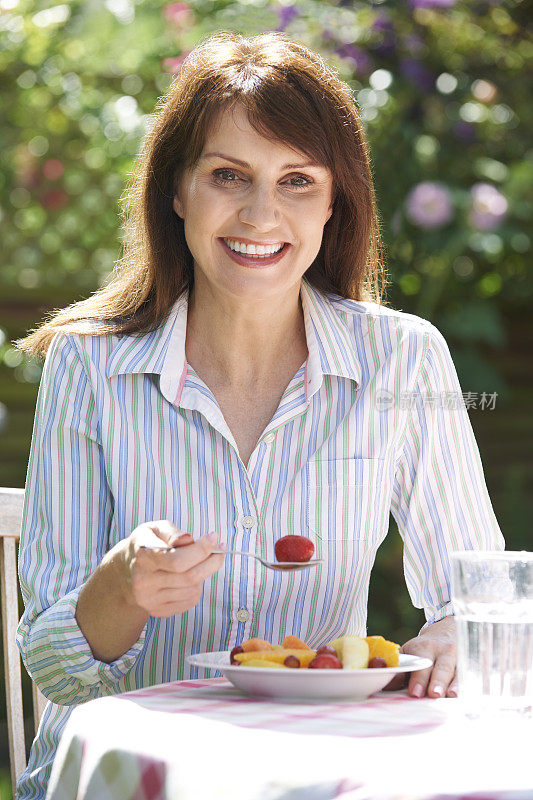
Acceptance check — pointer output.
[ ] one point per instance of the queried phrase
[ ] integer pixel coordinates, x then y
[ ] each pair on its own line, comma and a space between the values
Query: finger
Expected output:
205, 569
155, 534
167, 531
453, 688
436, 679
183, 539
183, 559
418, 682
398, 682
443, 673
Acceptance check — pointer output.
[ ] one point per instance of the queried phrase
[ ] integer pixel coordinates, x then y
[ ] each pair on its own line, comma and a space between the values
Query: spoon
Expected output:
288, 566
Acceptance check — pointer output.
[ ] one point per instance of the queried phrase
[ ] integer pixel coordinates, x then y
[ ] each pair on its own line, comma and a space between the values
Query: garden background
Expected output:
442, 92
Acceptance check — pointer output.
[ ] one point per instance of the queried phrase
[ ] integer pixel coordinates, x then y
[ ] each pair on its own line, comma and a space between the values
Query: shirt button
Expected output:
248, 522
243, 615
269, 438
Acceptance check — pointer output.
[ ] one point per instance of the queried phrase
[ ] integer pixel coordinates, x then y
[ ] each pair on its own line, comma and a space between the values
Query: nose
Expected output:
261, 209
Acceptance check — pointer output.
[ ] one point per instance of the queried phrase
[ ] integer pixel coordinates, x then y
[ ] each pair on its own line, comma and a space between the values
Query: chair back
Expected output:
11, 504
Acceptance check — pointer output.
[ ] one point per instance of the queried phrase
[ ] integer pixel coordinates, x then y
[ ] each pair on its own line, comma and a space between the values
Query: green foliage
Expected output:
444, 107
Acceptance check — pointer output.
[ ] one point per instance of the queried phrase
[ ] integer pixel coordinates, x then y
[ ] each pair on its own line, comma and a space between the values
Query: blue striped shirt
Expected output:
125, 431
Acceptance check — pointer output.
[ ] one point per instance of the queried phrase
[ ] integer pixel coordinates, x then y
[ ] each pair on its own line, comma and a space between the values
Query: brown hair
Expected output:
290, 95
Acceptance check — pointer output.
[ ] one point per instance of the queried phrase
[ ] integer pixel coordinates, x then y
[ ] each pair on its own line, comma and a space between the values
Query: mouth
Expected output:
254, 261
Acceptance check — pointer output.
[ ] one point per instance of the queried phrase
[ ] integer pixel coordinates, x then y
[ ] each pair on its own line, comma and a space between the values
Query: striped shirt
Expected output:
125, 431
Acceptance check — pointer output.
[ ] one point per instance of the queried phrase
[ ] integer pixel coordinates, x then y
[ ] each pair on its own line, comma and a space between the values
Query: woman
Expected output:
238, 375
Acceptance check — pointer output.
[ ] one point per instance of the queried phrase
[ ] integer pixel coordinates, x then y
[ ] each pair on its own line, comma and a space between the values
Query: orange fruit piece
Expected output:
279, 656
294, 643
382, 648
251, 645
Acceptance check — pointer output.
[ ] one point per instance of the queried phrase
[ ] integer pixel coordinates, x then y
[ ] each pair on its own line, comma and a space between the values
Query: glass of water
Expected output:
492, 593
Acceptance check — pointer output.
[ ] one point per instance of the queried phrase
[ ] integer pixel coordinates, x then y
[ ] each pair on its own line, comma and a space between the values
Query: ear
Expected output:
177, 206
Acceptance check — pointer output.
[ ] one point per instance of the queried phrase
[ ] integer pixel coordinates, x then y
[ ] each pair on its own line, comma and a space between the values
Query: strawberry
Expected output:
325, 661
294, 548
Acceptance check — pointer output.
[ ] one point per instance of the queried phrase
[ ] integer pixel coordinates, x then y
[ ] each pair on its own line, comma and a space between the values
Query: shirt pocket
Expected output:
344, 498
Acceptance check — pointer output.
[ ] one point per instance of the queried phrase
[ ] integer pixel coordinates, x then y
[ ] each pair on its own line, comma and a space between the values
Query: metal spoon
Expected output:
288, 566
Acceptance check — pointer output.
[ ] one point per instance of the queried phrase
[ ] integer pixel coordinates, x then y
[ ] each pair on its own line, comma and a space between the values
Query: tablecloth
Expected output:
203, 739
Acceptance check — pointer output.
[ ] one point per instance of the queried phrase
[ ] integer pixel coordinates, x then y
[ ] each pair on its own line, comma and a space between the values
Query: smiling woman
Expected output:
239, 375
289, 97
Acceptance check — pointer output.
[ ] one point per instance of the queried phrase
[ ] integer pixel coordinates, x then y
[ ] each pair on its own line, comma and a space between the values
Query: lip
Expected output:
250, 263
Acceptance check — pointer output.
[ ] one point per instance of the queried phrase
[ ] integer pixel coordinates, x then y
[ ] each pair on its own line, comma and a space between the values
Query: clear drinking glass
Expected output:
492, 593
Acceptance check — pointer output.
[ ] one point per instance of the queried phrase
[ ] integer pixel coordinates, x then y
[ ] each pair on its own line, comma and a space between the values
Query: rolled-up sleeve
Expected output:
65, 533
440, 499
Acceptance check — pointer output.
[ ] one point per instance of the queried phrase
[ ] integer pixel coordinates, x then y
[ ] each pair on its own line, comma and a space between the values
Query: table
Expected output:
204, 740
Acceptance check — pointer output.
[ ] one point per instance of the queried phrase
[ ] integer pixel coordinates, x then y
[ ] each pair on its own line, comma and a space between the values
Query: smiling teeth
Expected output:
252, 249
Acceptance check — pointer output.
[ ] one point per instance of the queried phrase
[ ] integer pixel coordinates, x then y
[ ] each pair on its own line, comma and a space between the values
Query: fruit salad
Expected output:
346, 652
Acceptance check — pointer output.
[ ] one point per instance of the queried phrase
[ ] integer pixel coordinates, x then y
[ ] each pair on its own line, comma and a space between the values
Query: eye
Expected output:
218, 175
307, 182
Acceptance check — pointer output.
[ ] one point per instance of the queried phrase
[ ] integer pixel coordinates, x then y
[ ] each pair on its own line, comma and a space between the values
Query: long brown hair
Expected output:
290, 95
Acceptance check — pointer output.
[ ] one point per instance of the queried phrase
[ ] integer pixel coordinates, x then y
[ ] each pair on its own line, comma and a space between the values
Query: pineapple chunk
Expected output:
262, 662
337, 645
355, 652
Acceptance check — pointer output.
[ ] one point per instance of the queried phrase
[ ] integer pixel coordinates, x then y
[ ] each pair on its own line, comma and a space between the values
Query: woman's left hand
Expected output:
437, 642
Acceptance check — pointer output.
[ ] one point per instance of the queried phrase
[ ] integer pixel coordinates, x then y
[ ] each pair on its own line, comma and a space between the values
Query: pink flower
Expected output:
489, 206
53, 169
178, 14
429, 205
54, 200
173, 65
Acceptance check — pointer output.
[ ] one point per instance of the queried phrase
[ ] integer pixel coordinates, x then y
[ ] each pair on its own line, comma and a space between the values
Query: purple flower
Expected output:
429, 205
432, 3
386, 41
358, 57
489, 206
417, 73
413, 43
464, 130
383, 23
286, 14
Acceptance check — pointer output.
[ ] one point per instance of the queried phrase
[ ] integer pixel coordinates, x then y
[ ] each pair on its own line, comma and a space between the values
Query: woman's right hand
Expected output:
168, 582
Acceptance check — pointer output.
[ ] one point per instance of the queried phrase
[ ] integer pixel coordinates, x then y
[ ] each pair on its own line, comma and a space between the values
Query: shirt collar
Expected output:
329, 342
162, 351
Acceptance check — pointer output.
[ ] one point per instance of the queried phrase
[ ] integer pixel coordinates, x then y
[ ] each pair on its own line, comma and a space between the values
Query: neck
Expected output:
244, 342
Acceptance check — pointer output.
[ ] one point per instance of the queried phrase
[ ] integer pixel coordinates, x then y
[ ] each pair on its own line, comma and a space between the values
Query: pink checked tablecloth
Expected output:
204, 740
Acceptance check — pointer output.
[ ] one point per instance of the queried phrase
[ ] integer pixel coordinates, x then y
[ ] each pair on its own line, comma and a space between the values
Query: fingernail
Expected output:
438, 690
213, 537
452, 693
417, 690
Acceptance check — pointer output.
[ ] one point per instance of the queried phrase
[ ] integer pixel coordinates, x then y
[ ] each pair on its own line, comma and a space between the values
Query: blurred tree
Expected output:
440, 89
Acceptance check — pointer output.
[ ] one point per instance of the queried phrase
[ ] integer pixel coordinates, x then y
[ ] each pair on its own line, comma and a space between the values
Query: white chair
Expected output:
11, 503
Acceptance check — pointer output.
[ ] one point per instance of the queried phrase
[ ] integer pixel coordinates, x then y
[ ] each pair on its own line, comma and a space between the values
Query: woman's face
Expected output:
247, 190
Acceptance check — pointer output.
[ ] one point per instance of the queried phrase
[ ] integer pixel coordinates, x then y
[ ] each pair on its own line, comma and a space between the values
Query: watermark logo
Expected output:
448, 401
384, 400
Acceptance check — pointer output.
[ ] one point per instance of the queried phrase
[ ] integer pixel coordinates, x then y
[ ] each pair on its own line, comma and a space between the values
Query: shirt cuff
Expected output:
72, 649
443, 611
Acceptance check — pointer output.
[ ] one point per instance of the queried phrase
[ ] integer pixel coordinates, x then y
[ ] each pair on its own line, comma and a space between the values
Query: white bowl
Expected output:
316, 684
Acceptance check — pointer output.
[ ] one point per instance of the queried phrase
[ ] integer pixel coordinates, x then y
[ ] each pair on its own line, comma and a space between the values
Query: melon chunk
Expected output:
355, 652
279, 656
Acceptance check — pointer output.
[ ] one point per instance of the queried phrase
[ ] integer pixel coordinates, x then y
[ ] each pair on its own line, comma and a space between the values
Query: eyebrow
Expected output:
245, 163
